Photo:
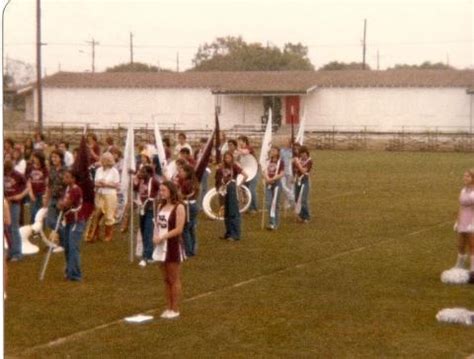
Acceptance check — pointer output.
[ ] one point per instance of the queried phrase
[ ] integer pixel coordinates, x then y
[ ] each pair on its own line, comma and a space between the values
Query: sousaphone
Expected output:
213, 204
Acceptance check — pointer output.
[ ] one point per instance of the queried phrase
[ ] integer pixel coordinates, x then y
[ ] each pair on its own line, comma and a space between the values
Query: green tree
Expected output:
336, 65
234, 54
135, 67
427, 65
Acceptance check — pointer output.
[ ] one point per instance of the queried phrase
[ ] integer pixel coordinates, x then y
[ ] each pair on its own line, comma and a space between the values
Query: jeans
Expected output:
304, 183
252, 186
189, 231
146, 228
288, 188
271, 191
35, 206
231, 212
71, 235
203, 189
15, 249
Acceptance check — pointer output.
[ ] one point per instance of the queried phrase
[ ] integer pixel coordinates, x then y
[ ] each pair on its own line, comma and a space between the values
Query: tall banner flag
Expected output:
203, 162
160, 148
128, 163
300, 135
84, 181
217, 131
266, 142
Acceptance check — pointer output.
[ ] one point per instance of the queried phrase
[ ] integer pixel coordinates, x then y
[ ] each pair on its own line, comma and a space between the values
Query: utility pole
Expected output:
93, 44
39, 85
131, 48
378, 60
364, 44
177, 61
447, 59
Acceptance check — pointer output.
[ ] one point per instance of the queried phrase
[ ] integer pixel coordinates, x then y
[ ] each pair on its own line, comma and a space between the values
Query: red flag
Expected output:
204, 159
84, 181
217, 131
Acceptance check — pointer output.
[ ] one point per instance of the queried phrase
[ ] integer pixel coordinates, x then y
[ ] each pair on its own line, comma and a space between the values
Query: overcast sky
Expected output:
402, 31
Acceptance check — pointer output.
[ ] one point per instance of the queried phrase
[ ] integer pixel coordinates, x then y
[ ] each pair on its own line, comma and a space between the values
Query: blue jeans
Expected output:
270, 191
146, 229
35, 206
231, 212
252, 186
71, 235
304, 213
189, 231
15, 249
203, 189
52, 217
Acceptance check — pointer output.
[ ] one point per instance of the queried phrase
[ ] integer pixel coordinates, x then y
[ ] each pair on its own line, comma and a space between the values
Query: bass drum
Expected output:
250, 165
213, 202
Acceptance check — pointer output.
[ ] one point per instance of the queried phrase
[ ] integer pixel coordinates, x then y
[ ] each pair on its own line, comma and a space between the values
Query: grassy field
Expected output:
361, 280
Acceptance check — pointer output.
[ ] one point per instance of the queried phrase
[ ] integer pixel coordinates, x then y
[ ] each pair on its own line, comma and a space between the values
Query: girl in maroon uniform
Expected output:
273, 173
189, 190
169, 245
226, 176
14, 188
147, 187
71, 232
37, 176
301, 168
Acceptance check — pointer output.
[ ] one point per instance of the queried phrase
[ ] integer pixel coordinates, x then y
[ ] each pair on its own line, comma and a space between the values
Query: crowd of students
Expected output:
168, 199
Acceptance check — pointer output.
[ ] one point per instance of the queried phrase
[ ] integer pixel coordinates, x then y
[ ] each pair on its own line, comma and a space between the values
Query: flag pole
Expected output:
131, 218
263, 205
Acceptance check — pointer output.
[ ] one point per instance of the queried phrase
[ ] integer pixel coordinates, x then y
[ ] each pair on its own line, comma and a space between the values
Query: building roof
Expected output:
259, 82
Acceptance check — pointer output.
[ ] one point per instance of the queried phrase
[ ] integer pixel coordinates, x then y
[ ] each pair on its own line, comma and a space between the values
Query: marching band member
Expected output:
56, 187
169, 249
226, 176
186, 155
14, 187
68, 156
232, 147
71, 232
465, 223
182, 144
106, 183
273, 173
246, 149
37, 176
189, 190
147, 186
286, 154
301, 167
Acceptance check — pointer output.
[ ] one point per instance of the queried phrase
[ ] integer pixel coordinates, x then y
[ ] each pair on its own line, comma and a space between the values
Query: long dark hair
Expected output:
41, 158
191, 176
174, 195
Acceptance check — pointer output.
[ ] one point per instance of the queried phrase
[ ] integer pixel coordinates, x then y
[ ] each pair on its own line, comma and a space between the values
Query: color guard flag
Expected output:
206, 156
266, 142
300, 135
128, 163
160, 148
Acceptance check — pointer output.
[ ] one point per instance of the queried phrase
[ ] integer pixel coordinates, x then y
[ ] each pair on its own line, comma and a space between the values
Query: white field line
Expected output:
81, 333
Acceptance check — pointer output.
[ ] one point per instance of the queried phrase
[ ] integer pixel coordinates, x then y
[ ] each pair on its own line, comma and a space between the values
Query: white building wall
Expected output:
241, 110
388, 109
187, 108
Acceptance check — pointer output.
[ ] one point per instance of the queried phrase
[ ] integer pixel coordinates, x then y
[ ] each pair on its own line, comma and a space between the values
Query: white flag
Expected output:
128, 162
300, 135
266, 142
160, 148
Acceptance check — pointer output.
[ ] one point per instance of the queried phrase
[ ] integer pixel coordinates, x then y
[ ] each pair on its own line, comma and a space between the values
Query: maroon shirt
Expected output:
38, 179
225, 174
76, 212
307, 164
187, 188
272, 169
13, 184
142, 189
